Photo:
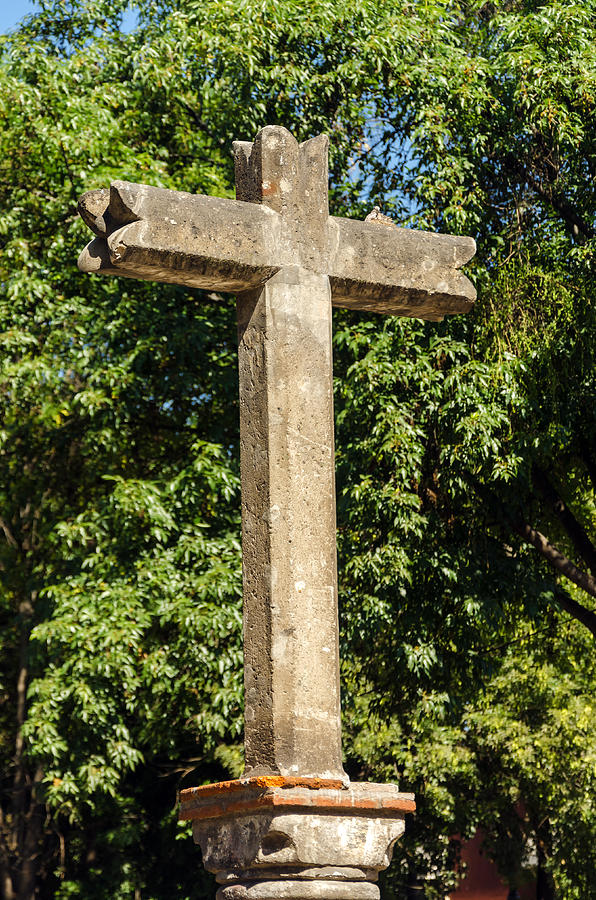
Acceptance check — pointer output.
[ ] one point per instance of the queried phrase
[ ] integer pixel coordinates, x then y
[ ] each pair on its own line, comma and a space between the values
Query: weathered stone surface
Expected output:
259, 792
304, 873
300, 890
292, 180
160, 235
284, 837
291, 650
280, 219
297, 839
398, 271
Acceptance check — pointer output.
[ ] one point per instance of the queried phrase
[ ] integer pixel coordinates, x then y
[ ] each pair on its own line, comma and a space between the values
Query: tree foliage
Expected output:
465, 450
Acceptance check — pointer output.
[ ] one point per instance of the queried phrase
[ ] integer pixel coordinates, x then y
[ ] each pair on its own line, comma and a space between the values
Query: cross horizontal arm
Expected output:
233, 245
398, 271
162, 235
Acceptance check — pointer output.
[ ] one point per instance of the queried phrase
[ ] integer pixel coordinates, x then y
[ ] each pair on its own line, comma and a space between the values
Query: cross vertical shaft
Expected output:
291, 650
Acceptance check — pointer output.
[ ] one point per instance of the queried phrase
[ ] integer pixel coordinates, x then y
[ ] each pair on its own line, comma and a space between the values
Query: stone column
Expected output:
293, 827
291, 651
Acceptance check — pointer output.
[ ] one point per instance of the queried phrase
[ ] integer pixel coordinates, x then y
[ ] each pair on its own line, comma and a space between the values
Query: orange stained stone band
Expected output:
274, 791
264, 782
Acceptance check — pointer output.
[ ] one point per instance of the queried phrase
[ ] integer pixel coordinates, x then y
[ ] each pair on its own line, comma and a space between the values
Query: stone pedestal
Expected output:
301, 838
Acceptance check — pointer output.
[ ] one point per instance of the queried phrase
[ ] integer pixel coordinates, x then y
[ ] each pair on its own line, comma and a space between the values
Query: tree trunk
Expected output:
22, 830
544, 885
545, 889
414, 890
32, 839
7, 889
560, 563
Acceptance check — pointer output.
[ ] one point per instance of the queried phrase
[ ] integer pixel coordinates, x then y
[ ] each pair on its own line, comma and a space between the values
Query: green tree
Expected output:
469, 527
119, 486
119, 500
465, 450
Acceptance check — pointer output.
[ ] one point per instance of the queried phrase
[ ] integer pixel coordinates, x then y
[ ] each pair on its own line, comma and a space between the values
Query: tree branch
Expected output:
557, 560
564, 566
576, 610
10, 538
577, 534
199, 122
577, 224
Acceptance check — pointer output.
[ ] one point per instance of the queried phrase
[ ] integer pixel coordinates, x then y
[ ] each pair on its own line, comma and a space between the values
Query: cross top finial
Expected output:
292, 180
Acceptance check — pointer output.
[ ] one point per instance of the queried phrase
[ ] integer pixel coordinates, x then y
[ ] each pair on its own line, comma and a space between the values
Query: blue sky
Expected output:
13, 10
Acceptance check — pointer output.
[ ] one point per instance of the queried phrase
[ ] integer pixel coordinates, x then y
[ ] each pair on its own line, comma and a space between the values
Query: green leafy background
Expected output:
467, 659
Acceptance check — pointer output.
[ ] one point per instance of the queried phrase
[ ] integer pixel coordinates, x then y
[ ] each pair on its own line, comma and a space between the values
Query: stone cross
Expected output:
288, 261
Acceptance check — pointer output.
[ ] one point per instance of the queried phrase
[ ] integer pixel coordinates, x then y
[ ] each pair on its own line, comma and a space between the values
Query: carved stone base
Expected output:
274, 837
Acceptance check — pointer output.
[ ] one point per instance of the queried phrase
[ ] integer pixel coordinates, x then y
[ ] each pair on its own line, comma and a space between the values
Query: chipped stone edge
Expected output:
246, 795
